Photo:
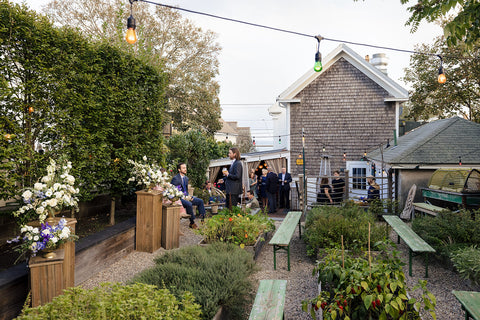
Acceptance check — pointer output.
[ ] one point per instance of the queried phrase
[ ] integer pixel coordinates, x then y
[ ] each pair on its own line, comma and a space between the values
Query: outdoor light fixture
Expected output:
441, 73
317, 67
253, 141
131, 36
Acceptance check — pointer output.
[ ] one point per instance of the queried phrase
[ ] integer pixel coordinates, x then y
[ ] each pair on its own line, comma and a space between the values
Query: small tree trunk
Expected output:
112, 211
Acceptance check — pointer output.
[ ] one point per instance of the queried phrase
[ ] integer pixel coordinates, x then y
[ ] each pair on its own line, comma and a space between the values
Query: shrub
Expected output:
217, 275
467, 263
448, 231
362, 290
116, 301
235, 226
325, 225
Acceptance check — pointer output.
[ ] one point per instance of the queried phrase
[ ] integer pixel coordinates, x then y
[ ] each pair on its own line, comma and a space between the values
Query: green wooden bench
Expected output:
470, 302
427, 208
281, 238
416, 245
270, 300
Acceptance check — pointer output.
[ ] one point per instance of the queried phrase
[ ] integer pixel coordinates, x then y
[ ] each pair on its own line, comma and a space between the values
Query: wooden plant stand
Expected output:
148, 236
171, 227
47, 279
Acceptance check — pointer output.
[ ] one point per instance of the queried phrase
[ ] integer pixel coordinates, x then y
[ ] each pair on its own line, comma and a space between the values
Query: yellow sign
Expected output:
299, 162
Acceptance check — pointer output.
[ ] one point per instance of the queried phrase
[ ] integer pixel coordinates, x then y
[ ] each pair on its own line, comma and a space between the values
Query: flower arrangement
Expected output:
54, 192
149, 175
171, 192
47, 237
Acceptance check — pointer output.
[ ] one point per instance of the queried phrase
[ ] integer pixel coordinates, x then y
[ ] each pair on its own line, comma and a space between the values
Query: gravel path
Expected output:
301, 284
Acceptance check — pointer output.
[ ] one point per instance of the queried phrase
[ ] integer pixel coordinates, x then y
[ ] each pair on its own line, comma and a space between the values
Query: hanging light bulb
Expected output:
441, 72
317, 67
131, 36
344, 155
323, 149
253, 141
459, 161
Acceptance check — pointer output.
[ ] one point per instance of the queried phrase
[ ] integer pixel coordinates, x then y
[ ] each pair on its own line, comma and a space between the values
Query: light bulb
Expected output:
317, 67
131, 36
441, 76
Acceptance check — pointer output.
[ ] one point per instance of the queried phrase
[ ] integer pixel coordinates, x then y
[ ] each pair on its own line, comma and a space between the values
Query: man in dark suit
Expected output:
233, 178
284, 180
272, 188
188, 201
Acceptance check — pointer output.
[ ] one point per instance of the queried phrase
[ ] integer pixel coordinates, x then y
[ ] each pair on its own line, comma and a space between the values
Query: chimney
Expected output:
380, 61
367, 58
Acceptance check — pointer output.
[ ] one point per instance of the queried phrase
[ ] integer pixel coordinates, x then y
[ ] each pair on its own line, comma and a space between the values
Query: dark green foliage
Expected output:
217, 275
92, 102
116, 301
467, 263
448, 231
325, 225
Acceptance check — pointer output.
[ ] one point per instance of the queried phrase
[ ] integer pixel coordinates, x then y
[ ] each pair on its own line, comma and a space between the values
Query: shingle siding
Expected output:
344, 110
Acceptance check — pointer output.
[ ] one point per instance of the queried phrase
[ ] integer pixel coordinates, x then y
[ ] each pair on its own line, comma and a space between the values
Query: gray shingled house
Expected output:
351, 106
438, 144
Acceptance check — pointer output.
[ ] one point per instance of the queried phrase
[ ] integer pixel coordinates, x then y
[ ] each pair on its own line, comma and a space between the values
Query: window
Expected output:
359, 181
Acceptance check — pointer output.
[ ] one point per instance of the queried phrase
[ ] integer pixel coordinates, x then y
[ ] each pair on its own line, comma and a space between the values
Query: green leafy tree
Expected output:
166, 40
463, 28
460, 95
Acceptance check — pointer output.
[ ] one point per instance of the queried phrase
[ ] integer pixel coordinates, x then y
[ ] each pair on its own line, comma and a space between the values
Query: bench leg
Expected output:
409, 262
300, 229
426, 264
274, 257
288, 254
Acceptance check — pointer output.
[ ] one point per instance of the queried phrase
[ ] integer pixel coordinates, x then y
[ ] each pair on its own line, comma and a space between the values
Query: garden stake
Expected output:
343, 259
369, 257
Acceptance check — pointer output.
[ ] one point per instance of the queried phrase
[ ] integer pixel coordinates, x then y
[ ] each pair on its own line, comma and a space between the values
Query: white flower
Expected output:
35, 238
52, 202
56, 186
54, 239
40, 210
27, 195
58, 194
46, 179
144, 158
38, 186
46, 232
70, 179
23, 229
48, 193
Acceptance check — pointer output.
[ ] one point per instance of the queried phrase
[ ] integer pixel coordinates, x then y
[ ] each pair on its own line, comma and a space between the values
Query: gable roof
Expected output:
397, 92
440, 142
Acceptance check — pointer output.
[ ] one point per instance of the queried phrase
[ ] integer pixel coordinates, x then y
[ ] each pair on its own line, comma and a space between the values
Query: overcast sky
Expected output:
256, 64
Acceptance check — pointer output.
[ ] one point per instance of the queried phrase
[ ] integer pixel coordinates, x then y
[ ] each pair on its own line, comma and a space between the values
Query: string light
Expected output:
253, 141
323, 149
317, 67
344, 155
279, 140
131, 36
441, 73
459, 161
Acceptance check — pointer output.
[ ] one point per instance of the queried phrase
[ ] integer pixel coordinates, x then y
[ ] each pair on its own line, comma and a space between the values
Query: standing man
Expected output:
233, 179
181, 180
284, 180
272, 188
338, 185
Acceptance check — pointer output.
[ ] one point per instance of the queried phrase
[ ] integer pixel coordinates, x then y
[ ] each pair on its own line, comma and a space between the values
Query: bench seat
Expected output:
415, 244
270, 300
427, 208
282, 237
470, 302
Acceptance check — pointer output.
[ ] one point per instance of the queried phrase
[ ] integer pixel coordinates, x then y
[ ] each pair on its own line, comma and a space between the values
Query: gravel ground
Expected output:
301, 284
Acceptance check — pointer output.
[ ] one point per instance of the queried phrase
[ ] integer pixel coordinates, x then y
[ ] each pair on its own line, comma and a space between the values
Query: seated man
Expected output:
188, 201
252, 202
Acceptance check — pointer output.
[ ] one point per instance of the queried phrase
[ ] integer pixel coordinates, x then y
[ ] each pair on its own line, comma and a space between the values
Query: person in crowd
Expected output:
338, 185
252, 202
272, 188
284, 179
373, 189
208, 189
253, 181
181, 180
263, 187
233, 178
325, 195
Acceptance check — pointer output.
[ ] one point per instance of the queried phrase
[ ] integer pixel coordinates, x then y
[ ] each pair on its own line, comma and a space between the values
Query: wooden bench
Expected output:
427, 208
416, 245
281, 238
270, 300
470, 302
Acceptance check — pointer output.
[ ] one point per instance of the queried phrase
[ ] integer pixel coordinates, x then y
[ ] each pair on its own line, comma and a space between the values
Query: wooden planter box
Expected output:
256, 248
171, 227
46, 278
149, 221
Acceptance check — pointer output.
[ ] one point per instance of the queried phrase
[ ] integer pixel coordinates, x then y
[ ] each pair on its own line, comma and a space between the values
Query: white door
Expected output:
357, 182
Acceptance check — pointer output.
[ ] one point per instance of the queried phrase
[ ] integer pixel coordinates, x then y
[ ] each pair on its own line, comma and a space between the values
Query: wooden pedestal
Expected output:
148, 236
171, 227
46, 278
69, 252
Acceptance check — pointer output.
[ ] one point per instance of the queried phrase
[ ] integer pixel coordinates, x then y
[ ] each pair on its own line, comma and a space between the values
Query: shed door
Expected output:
358, 171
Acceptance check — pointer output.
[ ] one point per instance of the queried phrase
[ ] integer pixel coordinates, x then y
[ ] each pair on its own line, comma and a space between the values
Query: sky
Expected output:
257, 65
